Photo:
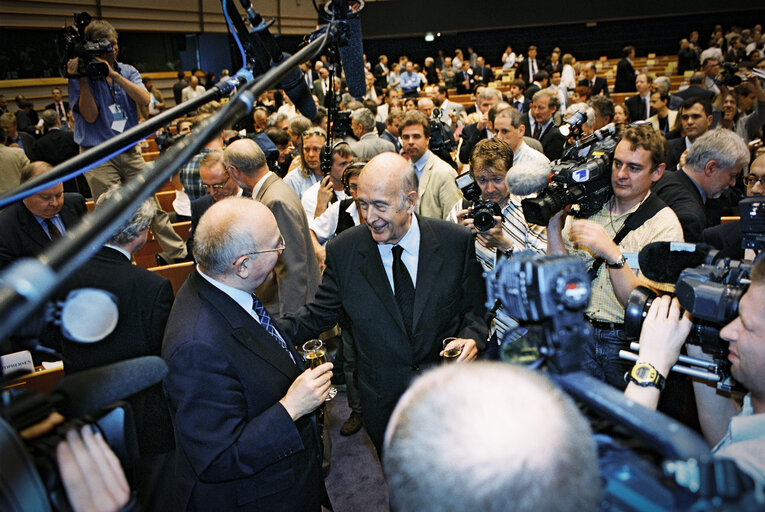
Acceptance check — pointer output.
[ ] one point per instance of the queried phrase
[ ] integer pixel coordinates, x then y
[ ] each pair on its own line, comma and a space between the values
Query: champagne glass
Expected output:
315, 355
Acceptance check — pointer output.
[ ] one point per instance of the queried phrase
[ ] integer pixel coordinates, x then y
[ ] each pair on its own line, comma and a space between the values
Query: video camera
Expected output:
576, 180
71, 43
482, 212
729, 75
439, 138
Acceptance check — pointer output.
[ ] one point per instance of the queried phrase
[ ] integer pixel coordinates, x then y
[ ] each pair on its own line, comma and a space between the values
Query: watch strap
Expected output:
658, 382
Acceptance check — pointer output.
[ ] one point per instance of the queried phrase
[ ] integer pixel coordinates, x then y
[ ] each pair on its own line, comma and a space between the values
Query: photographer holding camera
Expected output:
737, 433
638, 162
105, 107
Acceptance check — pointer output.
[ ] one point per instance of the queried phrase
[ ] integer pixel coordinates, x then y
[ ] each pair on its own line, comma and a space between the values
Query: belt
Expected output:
606, 326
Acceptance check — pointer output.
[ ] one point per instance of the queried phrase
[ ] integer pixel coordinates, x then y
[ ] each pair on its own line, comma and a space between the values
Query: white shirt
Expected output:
259, 184
526, 153
411, 245
325, 225
310, 198
182, 203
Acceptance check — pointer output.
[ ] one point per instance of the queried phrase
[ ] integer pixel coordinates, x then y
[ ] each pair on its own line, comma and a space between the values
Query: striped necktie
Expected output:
267, 322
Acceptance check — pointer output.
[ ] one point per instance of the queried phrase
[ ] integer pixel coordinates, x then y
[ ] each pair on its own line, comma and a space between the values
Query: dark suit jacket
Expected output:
524, 73
483, 75
392, 139
531, 90
523, 106
52, 106
680, 194
449, 297
694, 91
601, 85
551, 139
27, 121
460, 82
55, 146
198, 207
625, 77
636, 107
676, 148
237, 448
470, 136
726, 238
21, 235
381, 76
318, 91
144, 300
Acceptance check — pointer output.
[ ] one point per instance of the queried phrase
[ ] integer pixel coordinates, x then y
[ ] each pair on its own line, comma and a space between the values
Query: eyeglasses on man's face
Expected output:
217, 186
751, 180
279, 248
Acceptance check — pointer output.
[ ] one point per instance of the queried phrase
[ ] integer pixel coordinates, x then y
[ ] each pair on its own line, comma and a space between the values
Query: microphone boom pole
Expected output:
29, 282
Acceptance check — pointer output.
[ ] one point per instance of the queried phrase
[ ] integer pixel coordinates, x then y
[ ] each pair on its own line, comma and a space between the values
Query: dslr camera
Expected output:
482, 212
576, 180
71, 43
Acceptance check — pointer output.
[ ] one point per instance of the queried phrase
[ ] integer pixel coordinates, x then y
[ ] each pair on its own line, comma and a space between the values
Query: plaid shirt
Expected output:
190, 179
664, 226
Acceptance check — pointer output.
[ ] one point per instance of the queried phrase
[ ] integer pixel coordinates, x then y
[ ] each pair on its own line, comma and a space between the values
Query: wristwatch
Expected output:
645, 375
618, 263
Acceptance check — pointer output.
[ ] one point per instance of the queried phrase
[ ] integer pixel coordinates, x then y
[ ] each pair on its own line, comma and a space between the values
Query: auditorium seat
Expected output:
176, 273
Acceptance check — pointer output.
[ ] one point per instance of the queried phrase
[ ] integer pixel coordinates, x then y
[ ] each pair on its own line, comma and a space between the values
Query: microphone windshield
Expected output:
664, 261
351, 54
86, 392
527, 178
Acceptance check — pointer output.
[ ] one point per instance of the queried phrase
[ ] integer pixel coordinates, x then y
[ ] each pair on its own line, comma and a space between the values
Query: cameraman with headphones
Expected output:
105, 108
736, 432
317, 198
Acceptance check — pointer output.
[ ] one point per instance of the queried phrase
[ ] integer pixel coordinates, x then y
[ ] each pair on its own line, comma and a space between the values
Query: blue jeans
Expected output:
601, 356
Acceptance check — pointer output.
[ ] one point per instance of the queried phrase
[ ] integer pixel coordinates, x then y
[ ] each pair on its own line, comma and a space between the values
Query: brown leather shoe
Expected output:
351, 425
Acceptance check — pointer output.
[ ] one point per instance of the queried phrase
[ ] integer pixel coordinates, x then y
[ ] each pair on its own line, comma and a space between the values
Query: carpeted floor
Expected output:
355, 482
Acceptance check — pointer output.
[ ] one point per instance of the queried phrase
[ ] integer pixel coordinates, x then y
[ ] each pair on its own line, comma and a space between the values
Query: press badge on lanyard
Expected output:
119, 118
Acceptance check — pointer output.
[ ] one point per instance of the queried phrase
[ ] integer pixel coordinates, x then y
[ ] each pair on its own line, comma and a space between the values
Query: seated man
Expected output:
735, 432
535, 450
30, 225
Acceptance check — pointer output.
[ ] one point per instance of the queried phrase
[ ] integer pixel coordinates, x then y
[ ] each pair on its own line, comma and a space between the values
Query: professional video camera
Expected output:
710, 293
576, 180
482, 212
439, 138
71, 43
729, 75
341, 125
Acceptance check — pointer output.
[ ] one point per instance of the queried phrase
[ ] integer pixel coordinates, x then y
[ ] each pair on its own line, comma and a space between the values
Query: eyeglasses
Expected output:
217, 186
279, 248
752, 180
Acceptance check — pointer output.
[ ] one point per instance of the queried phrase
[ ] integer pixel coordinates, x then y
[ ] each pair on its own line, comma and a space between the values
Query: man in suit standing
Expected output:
364, 128
482, 74
597, 84
144, 300
529, 67
441, 100
296, 273
60, 106
30, 225
712, 165
625, 72
321, 85
381, 72
540, 125
695, 118
437, 191
695, 89
405, 282
392, 133
640, 104
242, 403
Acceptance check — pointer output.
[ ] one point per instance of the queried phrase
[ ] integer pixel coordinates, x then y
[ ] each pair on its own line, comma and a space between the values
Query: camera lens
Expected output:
639, 302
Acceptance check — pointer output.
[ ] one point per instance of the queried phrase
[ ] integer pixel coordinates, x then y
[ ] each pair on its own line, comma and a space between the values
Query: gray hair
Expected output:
364, 117
137, 224
299, 124
516, 119
275, 118
723, 146
49, 118
535, 450
663, 83
585, 109
545, 93
248, 160
489, 93
218, 244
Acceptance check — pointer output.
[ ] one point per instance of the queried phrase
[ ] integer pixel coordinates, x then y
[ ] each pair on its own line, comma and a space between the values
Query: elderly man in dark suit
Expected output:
540, 123
28, 226
296, 274
144, 300
405, 282
242, 402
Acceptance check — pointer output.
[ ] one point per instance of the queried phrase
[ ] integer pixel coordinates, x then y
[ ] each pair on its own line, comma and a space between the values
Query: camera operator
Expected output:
638, 162
105, 108
737, 433
490, 163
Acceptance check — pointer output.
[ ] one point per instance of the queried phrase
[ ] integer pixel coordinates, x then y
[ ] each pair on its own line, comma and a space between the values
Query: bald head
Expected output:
245, 161
227, 232
535, 451
387, 196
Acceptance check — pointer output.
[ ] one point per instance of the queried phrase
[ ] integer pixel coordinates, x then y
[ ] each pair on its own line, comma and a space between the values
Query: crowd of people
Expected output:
297, 230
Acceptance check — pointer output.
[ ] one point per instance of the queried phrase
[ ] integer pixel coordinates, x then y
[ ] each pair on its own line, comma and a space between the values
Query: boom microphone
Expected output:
294, 84
664, 261
352, 53
527, 178
88, 391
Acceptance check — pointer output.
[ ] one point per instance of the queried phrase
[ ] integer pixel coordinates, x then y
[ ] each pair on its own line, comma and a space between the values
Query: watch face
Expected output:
643, 373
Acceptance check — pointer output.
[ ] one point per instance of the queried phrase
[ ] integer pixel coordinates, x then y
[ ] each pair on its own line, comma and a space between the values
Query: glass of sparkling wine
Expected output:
315, 355
452, 353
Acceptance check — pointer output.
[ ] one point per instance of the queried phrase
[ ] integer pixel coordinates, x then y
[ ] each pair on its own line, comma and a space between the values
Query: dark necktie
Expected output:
402, 282
60, 108
267, 323
53, 232
537, 130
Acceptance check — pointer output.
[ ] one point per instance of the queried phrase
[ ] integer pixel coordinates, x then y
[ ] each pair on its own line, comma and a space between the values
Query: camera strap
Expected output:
647, 209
